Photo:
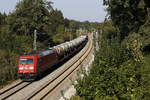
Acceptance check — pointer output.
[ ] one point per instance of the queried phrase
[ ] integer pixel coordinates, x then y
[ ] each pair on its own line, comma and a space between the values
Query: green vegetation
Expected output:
121, 70
17, 31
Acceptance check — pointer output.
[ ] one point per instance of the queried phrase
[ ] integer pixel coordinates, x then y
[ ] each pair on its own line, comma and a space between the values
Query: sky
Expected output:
80, 10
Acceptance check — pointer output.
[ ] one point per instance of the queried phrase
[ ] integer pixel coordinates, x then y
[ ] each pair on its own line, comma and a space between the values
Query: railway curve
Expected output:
48, 87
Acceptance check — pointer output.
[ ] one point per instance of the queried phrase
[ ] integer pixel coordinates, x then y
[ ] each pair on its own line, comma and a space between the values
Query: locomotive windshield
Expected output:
26, 61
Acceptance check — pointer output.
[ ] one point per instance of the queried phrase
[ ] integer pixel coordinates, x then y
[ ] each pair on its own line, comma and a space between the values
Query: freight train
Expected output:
31, 65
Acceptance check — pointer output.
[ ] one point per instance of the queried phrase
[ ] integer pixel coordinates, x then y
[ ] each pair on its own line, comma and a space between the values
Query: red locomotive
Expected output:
35, 63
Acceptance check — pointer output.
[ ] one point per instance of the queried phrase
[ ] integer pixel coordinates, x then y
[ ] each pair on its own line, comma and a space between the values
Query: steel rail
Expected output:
7, 88
69, 74
9, 92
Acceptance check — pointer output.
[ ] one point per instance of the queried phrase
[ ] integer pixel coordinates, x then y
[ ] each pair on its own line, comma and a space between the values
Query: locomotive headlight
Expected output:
31, 67
21, 68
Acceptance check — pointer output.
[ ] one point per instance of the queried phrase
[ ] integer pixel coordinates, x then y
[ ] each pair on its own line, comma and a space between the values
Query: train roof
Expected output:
46, 52
41, 53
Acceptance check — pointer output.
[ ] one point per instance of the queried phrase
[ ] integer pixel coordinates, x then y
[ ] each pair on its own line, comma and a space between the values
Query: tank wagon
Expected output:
33, 64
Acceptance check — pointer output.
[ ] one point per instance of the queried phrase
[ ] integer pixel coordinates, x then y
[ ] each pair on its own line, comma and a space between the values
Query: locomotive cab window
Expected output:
26, 61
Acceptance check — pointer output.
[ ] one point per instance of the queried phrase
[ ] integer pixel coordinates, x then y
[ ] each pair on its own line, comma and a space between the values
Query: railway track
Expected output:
47, 86
45, 91
14, 88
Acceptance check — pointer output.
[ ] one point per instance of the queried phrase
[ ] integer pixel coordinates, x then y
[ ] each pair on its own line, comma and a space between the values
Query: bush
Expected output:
115, 74
9, 56
109, 80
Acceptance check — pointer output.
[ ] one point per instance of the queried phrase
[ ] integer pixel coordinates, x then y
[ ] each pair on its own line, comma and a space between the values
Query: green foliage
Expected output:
2, 19
28, 16
133, 45
17, 29
58, 38
115, 74
109, 80
120, 70
76, 98
63, 37
57, 20
131, 17
16, 32
60, 29
11, 47
126, 14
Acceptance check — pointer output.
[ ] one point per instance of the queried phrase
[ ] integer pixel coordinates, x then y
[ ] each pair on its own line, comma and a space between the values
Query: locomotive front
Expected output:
27, 66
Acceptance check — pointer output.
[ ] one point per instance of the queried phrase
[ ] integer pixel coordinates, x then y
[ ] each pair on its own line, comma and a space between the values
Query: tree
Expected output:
126, 14
57, 19
3, 18
28, 16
